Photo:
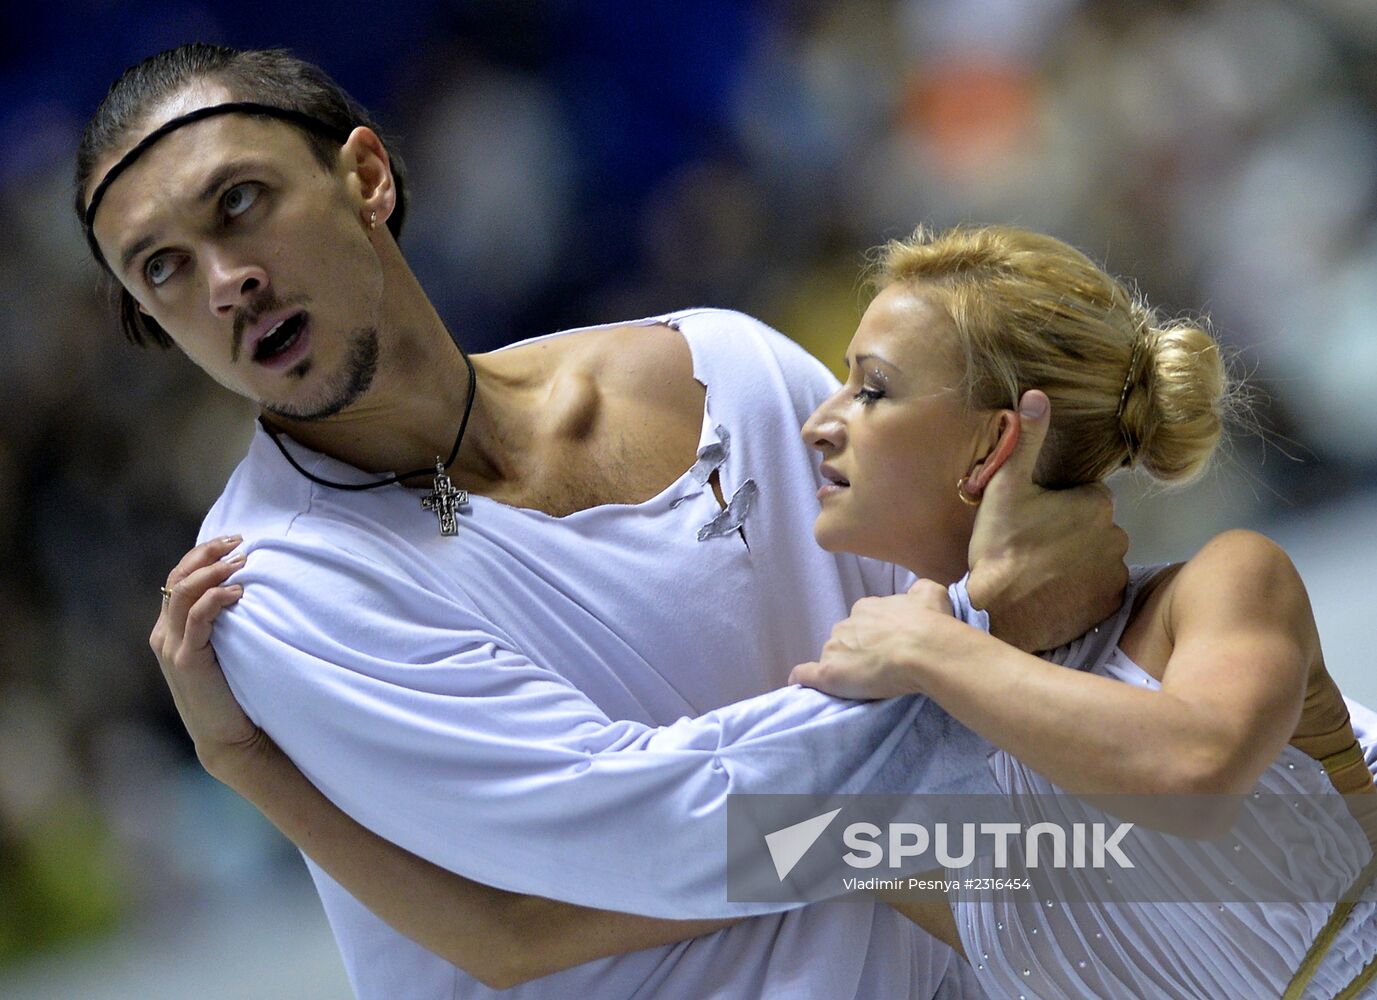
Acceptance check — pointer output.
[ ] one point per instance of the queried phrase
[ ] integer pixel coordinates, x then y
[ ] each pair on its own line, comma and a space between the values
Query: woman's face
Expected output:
896, 438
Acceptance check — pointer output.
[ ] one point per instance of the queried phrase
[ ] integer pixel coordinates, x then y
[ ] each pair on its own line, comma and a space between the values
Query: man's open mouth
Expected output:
280, 338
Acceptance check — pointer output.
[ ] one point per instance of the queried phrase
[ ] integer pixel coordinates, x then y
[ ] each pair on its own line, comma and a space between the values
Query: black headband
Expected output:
309, 122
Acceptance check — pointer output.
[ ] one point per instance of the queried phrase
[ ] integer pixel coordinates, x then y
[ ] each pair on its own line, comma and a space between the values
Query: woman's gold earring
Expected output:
966, 498
372, 220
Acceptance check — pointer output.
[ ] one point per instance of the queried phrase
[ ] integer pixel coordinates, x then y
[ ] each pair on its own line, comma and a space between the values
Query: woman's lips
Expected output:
834, 483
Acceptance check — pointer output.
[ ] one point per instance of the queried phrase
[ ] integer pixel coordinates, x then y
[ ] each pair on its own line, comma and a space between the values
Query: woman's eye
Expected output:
239, 199
867, 396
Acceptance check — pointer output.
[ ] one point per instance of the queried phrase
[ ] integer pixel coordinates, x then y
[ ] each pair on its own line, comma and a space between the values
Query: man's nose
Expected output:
232, 282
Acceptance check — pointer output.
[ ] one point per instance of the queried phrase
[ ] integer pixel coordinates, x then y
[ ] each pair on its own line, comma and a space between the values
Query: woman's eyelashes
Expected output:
865, 395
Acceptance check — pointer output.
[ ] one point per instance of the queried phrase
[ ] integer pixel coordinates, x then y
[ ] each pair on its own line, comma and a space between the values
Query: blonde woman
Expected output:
1216, 685
1216, 682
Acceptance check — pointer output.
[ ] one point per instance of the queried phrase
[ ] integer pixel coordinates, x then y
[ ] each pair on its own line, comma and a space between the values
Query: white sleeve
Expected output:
425, 725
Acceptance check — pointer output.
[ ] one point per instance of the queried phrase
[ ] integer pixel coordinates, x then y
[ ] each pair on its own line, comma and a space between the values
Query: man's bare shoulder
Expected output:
619, 401
635, 360
618, 358
646, 367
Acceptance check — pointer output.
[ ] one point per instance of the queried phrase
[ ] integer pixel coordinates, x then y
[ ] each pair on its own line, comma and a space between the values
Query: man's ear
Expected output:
1006, 430
364, 157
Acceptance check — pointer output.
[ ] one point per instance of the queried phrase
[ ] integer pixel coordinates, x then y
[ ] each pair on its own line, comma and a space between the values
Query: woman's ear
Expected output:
1005, 441
365, 157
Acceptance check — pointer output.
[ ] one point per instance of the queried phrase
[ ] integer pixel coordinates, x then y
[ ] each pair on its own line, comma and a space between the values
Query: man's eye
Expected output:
158, 269
239, 199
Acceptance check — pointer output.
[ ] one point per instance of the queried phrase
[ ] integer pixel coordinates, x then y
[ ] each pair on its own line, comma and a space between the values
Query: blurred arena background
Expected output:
583, 162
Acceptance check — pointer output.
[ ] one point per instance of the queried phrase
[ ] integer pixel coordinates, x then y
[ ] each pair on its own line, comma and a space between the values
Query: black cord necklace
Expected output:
444, 498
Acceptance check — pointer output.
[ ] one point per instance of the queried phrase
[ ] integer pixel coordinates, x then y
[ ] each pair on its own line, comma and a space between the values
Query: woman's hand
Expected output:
224, 736
877, 651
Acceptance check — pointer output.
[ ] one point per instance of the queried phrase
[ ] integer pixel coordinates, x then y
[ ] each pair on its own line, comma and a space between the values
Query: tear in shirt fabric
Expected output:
711, 456
735, 513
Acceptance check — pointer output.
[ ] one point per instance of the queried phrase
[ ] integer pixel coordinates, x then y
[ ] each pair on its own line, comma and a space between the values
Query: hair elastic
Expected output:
1129, 442
1128, 378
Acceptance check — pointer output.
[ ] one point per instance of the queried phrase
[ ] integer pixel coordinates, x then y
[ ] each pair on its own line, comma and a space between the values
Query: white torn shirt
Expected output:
561, 706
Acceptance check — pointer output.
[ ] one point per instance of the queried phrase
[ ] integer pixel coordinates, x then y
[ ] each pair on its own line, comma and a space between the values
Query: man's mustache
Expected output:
248, 317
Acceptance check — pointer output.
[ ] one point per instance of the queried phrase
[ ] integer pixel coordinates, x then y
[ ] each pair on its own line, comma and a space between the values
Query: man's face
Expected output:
251, 255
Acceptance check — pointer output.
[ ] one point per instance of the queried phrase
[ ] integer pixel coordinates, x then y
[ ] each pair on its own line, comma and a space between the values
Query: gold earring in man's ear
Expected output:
966, 498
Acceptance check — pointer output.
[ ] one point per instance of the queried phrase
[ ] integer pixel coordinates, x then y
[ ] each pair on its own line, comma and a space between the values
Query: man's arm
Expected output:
500, 938
420, 721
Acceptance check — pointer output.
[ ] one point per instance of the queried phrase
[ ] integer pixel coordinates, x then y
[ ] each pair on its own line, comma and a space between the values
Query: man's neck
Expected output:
412, 411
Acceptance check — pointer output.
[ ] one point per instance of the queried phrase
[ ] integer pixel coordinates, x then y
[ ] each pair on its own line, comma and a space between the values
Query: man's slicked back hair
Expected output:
267, 76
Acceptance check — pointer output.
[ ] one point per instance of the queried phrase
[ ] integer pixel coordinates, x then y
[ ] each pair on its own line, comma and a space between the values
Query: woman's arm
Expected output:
500, 938
1242, 642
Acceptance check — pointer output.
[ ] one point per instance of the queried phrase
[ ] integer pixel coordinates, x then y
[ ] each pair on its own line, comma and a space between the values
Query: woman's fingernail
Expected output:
231, 539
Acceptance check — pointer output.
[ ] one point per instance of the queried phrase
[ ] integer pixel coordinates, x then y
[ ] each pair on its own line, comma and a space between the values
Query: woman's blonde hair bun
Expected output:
1033, 312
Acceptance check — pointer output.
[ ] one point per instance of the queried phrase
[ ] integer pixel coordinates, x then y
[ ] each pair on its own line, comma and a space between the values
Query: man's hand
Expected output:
224, 736
868, 653
1045, 564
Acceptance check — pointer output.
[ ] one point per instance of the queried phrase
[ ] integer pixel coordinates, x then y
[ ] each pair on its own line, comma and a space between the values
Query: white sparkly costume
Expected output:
1026, 945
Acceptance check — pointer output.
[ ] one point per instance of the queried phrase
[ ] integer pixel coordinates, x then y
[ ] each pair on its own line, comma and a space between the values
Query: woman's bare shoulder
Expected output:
1242, 578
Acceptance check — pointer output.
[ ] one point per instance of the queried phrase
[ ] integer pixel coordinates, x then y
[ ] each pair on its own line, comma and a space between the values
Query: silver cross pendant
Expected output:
445, 499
